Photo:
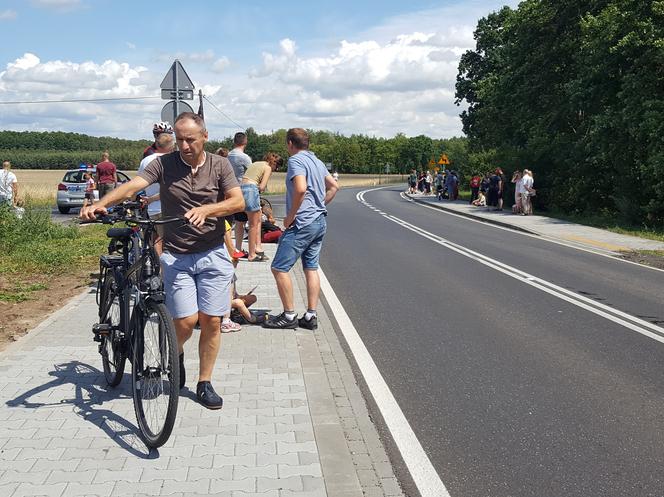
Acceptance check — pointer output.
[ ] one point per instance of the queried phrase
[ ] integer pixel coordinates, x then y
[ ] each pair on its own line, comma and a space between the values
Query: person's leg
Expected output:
313, 288
208, 345
285, 288
184, 328
239, 235
254, 232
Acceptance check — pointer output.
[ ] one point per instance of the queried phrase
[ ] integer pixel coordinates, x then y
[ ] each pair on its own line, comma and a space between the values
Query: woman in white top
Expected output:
254, 182
517, 179
527, 192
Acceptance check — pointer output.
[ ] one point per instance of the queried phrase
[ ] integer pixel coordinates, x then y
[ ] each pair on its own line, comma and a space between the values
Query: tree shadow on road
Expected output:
91, 393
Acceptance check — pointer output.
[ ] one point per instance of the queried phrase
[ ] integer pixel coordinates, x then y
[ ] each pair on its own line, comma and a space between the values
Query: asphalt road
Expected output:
511, 390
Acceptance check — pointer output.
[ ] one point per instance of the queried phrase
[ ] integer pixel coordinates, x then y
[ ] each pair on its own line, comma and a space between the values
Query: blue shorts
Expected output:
197, 282
303, 242
252, 200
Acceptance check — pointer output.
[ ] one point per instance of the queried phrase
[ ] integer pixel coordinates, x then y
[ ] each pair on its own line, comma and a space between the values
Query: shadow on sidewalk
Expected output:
90, 395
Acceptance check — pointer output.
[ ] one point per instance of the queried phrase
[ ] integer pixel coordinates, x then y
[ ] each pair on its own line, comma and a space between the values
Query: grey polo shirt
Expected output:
180, 191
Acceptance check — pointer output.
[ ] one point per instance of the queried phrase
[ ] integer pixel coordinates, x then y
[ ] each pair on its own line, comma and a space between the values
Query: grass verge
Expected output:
34, 249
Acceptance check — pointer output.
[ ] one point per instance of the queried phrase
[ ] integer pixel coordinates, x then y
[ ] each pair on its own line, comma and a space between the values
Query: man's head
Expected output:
165, 143
191, 135
104, 157
297, 139
6, 165
240, 140
222, 151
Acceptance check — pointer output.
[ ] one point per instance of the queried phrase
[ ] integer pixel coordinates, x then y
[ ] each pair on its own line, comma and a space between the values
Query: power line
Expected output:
223, 113
68, 101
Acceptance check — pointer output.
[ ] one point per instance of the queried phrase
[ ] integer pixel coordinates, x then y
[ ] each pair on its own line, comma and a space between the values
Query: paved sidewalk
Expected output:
294, 422
569, 232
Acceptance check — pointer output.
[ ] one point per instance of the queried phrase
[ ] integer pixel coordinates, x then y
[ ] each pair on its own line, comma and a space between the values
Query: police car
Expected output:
71, 190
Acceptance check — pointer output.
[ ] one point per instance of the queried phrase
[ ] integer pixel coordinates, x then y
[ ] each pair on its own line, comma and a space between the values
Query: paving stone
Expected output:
246, 485
391, 486
150, 474
100, 489
240, 472
214, 473
110, 476
245, 460
35, 477
25, 489
190, 462
300, 470
124, 488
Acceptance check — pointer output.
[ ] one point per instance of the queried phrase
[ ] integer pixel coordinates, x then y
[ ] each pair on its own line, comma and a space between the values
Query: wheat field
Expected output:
41, 186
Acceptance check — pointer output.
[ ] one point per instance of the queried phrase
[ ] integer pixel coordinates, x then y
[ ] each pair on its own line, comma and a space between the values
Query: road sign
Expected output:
181, 95
444, 161
176, 79
432, 162
169, 114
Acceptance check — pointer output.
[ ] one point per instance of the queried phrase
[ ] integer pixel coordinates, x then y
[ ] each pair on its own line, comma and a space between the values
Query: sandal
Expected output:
259, 258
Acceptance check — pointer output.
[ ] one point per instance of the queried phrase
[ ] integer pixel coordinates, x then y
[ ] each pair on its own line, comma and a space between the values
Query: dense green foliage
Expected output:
353, 154
573, 89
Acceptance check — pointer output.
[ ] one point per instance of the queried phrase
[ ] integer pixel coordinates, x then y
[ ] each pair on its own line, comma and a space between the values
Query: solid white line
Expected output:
632, 322
421, 470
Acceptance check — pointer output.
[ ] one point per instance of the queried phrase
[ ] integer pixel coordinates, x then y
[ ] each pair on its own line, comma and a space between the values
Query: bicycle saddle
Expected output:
119, 232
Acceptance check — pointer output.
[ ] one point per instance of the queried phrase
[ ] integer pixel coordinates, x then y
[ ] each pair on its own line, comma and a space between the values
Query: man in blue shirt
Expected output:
309, 188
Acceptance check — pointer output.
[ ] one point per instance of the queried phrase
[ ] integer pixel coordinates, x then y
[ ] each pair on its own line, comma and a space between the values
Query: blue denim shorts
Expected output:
303, 242
197, 282
252, 201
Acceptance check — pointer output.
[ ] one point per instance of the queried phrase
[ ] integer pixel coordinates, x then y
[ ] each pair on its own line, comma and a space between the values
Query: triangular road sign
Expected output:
177, 74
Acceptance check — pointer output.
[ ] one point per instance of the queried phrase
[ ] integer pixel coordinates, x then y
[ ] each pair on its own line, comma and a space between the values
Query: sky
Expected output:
376, 68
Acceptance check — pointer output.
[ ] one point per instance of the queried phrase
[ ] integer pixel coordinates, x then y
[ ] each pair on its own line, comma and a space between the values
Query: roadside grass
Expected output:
34, 249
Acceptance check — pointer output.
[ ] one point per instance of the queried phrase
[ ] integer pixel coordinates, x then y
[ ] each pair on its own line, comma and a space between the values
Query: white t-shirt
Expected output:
527, 183
519, 186
7, 179
155, 207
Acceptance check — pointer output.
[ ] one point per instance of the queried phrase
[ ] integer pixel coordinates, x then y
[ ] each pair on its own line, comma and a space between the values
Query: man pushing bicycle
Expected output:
196, 268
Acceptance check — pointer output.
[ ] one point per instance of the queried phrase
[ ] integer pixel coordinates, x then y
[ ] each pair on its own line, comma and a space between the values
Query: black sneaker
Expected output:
309, 324
280, 321
182, 372
207, 396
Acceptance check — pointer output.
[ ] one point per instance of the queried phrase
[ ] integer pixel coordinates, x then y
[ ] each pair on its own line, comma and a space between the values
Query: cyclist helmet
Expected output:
162, 127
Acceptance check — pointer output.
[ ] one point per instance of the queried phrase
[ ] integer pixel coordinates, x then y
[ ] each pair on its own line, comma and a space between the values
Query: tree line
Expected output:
348, 154
573, 89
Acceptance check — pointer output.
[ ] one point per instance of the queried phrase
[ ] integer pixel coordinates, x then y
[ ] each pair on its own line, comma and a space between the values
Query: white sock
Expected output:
290, 314
310, 314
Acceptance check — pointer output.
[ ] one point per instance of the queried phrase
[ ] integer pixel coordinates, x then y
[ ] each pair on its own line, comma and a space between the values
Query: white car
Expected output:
71, 190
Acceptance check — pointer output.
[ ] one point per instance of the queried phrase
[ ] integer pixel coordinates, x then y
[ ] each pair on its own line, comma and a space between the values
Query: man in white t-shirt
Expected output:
164, 144
8, 185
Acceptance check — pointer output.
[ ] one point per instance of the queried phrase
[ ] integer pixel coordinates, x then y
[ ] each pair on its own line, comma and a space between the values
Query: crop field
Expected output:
40, 186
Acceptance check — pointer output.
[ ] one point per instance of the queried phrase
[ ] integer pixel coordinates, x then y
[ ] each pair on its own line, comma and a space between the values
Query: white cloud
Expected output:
130, 45
30, 79
8, 15
58, 5
220, 64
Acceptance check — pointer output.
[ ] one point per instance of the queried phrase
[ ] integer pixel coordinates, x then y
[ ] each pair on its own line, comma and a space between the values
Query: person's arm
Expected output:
116, 196
266, 178
331, 188
299, 191
233, 202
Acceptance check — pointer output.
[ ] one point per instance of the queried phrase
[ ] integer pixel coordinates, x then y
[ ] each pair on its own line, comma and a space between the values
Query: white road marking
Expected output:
421, 470
624, 319
523, 233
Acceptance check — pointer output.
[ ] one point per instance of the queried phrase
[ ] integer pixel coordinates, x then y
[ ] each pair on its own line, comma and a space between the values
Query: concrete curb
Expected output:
471, 216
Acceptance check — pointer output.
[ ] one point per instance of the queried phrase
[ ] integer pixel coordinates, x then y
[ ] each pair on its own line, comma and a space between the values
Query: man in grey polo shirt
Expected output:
196, 267
240, 162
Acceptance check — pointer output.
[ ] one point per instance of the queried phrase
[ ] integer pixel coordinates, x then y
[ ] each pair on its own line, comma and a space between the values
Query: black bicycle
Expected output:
134, 322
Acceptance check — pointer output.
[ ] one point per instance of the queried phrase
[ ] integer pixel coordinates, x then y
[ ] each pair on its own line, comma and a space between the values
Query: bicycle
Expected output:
135, 324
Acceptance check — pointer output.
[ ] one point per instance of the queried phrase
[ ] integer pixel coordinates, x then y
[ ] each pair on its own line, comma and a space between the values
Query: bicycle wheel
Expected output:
155, 373
111, 347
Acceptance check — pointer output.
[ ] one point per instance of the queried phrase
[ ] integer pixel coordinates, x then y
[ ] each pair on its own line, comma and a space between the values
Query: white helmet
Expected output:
162, 127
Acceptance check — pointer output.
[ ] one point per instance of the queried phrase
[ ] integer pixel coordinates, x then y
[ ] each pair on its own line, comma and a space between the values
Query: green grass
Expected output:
21, 292
35, 245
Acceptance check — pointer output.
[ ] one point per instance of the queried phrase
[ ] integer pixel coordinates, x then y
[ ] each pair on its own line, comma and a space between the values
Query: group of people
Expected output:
209, 190
487, 190
444, 184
